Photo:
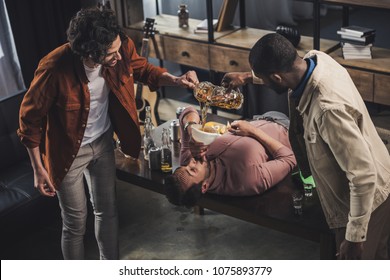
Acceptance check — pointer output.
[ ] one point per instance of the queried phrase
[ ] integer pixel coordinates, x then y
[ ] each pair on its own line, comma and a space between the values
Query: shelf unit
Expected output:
228, 51
371, 76
186, 47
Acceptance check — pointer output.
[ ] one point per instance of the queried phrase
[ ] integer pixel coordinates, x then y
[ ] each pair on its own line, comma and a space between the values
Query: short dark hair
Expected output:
92, 31
176, 196
272, 53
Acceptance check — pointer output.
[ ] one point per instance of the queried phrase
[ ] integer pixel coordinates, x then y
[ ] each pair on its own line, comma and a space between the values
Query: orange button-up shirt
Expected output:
54, 111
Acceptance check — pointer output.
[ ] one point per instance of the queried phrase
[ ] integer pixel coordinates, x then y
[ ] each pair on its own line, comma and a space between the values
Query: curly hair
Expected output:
177, 196
91, 32
272, 53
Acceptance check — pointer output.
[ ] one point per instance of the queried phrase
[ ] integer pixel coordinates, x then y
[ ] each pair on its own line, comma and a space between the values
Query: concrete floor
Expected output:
150, 228
163, 231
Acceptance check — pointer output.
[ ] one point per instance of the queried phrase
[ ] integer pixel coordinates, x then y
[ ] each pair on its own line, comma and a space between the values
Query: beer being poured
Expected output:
209, 94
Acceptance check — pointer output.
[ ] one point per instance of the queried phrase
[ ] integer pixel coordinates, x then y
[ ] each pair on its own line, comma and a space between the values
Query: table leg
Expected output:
198, 210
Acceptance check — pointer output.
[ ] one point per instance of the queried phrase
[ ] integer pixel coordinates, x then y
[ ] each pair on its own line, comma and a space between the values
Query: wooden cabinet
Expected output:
371, 76
227, 59
364, 82
382, 89
176, 44
186, 52
228, 51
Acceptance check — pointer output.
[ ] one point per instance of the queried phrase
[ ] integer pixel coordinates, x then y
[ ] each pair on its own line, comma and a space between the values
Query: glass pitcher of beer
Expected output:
212, 95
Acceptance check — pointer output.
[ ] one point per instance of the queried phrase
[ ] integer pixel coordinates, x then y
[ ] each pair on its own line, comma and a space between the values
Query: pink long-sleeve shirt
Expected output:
243, 166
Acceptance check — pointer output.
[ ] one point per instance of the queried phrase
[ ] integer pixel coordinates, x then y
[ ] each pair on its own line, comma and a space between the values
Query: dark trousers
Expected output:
378, 234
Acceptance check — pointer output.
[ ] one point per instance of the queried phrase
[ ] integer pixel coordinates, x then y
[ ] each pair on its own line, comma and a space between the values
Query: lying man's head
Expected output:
187, 184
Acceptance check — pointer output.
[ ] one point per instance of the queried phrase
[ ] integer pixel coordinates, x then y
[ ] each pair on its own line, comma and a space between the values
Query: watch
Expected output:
187, 124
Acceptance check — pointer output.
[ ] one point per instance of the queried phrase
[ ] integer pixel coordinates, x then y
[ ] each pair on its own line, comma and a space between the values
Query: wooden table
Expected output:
273, 209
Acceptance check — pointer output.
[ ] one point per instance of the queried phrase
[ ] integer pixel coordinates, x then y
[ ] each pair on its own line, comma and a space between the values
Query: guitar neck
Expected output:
143, 96
145, 47
144, 53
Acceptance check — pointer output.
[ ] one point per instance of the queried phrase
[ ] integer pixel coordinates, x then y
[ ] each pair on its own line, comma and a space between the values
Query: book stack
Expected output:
356, 41
226, 15
225, 18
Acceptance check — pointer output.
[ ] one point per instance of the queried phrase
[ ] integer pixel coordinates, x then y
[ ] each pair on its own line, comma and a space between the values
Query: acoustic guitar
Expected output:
144, 97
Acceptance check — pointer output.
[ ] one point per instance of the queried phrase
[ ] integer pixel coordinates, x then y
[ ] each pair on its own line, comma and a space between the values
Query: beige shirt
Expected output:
349, 162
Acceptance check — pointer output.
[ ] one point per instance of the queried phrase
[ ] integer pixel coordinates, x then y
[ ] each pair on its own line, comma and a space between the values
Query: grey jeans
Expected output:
95, 162
274, 116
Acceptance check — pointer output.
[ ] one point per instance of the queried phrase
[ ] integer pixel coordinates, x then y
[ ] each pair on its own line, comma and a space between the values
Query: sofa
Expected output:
22, 208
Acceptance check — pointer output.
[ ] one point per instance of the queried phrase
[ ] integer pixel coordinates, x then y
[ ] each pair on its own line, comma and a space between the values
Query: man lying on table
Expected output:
249, 159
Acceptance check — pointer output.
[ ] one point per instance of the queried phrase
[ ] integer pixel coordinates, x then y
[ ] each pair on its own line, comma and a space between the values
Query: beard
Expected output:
111, 63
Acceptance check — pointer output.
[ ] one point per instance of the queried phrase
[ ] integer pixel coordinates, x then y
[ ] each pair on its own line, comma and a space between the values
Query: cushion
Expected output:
11, 149
16, 186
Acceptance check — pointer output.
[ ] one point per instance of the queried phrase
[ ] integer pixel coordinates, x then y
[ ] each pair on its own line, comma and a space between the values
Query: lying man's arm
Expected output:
283, 159
188, 117
244, 128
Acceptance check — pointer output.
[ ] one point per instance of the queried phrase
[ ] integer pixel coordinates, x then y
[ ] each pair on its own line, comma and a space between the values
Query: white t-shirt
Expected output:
98, 120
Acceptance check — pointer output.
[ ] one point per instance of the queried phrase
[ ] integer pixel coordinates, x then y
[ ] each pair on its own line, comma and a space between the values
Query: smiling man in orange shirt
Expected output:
82, 92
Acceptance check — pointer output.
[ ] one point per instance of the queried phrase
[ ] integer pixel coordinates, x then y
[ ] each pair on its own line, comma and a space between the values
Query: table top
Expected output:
137, 170
167, 25
246, 37
273, 208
